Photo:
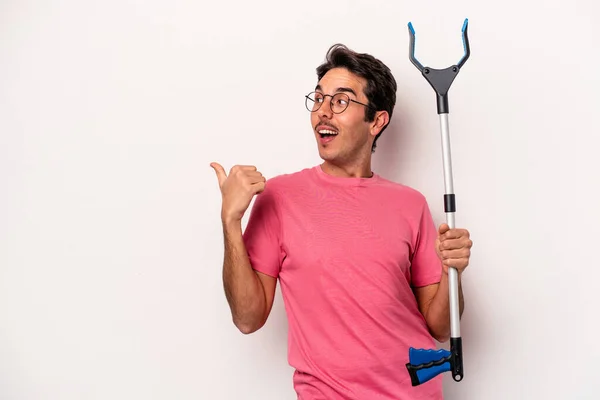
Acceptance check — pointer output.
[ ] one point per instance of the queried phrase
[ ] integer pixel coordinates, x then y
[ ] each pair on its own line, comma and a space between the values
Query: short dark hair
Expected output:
381, 85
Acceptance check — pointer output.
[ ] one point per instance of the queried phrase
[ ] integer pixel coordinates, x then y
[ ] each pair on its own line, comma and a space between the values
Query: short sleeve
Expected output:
426, 267
262, 236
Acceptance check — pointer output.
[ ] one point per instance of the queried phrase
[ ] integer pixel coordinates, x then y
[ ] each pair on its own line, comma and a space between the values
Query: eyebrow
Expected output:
340, 89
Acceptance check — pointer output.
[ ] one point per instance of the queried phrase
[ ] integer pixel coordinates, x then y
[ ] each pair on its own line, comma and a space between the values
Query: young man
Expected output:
363, 271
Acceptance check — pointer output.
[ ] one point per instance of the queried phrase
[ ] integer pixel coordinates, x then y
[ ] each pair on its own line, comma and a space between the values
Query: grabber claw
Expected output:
440, 79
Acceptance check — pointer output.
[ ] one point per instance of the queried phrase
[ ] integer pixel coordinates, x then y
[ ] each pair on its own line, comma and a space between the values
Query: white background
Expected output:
110, 238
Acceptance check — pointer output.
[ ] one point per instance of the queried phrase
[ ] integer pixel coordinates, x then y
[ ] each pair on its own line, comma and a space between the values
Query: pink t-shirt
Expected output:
347, 252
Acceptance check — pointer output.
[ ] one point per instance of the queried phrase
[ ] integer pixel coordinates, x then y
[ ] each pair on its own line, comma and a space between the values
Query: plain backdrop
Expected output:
110, 237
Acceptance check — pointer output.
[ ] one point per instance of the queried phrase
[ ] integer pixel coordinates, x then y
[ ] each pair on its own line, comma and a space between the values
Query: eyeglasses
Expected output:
339, 102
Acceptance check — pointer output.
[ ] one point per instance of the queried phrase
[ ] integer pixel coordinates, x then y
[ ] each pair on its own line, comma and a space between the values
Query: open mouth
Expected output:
327, 133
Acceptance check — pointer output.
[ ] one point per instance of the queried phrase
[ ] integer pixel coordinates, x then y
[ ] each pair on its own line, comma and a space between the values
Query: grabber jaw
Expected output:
425, 365
411, 51
440, 79
466, 46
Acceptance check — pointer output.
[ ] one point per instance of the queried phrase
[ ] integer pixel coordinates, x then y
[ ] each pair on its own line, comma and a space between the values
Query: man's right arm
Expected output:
249, 293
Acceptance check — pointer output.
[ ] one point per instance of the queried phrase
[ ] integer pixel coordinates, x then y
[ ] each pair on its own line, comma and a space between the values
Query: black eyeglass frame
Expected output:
331, 102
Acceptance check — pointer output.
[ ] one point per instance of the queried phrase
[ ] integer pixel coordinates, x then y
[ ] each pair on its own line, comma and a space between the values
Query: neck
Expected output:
359, 170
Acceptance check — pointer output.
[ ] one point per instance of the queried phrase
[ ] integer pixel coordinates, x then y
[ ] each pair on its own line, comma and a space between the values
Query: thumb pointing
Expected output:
220, 171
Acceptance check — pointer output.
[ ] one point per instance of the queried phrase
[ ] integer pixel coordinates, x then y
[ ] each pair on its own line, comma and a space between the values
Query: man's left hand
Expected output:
453, 246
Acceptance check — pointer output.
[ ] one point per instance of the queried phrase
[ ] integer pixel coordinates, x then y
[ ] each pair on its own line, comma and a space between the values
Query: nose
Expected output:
325, 110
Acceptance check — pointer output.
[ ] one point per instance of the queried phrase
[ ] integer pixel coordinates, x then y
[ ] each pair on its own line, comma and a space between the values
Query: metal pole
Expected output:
450, 213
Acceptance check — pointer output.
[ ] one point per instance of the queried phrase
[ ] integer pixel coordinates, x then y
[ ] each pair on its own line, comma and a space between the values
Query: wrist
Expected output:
231, 222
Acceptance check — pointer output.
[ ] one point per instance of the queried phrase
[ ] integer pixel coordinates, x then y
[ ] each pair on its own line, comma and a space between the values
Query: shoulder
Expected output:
279, 188
403, 192
283, 183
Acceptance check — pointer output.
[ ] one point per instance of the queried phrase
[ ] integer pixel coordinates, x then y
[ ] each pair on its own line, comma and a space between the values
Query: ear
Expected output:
382, 118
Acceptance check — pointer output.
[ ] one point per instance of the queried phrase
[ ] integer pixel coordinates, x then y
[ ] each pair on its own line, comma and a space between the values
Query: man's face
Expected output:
353, 135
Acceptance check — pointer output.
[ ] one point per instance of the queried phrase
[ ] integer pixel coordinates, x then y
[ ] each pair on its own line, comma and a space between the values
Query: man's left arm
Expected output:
453, 247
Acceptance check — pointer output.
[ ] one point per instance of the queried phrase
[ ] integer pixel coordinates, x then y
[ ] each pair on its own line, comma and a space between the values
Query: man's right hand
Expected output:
238, 189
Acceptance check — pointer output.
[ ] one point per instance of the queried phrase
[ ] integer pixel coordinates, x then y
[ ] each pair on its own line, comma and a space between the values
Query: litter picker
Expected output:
425, 364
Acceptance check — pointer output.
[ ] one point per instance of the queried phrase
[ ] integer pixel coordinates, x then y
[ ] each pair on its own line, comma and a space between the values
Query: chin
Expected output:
326, 154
